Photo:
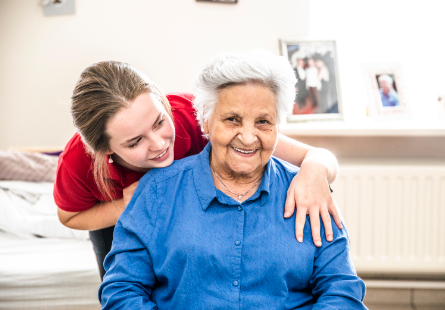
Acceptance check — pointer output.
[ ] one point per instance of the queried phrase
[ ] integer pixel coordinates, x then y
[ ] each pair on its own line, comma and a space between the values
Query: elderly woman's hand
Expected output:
310, 194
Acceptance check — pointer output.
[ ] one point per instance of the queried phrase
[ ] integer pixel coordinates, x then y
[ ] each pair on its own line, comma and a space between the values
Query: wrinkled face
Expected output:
386, 86
243, 129
142, 135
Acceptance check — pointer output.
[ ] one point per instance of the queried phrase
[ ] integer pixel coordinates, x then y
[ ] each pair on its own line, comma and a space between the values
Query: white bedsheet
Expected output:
27, 210
47, 273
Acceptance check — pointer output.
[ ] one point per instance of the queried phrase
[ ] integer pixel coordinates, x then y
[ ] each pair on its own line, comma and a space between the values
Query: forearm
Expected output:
334, 281
300, 154
102, 215
324, 160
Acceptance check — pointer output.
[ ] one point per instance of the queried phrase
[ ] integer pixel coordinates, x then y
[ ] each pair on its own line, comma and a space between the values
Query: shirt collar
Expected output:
205, 188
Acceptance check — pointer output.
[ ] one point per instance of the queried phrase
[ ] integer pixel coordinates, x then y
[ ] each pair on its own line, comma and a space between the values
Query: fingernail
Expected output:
318, 243
300, 239
286, 214
329, 237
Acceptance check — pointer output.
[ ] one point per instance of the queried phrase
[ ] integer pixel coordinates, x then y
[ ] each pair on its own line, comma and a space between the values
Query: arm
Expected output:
309, 191
334, 281
130, 276
103, 214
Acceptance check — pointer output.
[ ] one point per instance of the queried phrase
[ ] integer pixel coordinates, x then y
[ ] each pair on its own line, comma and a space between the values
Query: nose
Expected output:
248, 135
157, 143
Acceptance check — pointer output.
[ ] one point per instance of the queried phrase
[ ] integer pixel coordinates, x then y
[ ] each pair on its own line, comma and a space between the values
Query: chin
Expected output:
243, 169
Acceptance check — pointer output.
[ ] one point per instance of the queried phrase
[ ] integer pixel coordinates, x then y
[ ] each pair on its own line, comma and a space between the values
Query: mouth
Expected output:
161, 155
244, 151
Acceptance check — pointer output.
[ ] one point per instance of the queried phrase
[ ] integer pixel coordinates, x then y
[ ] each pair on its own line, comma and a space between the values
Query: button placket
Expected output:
239, 233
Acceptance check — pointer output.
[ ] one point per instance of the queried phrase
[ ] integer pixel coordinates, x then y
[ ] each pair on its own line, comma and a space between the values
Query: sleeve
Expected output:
130, 277
71, 192
334, 280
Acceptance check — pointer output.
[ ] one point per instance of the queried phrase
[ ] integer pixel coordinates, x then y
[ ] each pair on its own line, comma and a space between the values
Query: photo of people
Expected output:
314, 66
388, 90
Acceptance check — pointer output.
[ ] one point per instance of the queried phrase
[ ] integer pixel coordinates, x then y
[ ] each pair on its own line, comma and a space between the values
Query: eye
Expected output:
159, 123
135, 144
263, 122
231, 119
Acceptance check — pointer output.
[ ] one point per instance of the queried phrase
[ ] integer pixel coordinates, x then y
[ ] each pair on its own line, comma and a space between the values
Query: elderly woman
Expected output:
202, 233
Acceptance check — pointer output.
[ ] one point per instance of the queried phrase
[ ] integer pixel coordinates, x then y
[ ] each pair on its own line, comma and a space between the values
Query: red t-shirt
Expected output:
75, 189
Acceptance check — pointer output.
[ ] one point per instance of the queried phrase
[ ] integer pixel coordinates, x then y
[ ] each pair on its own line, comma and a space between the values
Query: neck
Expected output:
236, 185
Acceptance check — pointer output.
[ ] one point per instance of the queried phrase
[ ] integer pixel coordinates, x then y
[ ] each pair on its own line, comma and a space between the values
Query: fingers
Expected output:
289, 206
327, 224
335, 215
300, 220
315, 225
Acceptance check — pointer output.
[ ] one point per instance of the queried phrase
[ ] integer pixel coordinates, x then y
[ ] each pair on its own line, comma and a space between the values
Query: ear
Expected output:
205, 126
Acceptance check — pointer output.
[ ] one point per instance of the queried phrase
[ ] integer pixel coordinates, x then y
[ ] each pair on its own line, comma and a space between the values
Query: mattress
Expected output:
47, 273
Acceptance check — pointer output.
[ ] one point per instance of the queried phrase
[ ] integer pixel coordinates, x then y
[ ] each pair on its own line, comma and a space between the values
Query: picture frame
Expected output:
386, 90
219, 1
318, 88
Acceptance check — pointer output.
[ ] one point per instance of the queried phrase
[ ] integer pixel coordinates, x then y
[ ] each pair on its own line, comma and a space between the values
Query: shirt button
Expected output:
240, 208
237, 242
235, 283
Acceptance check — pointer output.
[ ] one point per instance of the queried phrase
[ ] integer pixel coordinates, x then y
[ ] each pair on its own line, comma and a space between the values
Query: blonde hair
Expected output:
102, 90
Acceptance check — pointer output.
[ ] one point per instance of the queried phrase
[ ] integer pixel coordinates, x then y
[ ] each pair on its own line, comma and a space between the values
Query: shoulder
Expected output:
75, 156
182, 107
143, 207
74, 188
181, 100
156, 176
282, 168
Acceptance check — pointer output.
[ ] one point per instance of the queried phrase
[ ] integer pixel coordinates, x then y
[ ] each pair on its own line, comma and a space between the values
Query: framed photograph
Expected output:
220, 1
318, 87
386, 90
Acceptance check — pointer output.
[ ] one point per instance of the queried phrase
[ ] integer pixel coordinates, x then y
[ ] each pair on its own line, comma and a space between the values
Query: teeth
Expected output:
244, 152
160, 155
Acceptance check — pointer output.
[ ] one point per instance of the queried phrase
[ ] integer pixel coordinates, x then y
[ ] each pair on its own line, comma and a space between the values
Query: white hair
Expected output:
253, 66
385, 77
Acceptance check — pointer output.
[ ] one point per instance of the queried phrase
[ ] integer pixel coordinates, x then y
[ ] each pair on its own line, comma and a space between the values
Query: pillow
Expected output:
27, 166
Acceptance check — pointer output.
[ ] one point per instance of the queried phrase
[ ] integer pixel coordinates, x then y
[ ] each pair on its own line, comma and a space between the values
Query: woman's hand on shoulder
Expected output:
309, 193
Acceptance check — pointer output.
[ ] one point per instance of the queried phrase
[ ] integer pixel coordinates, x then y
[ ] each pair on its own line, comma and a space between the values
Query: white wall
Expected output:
42, 57
408, 32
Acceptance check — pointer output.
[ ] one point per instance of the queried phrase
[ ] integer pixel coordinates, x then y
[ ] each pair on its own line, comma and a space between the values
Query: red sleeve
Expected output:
189, 138
74, 188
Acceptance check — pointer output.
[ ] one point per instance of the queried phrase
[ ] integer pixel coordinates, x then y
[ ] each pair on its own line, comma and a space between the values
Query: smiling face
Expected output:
243, 130
142, 135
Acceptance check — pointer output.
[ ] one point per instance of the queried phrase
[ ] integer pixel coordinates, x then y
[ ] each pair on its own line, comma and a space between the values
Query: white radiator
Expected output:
395, 215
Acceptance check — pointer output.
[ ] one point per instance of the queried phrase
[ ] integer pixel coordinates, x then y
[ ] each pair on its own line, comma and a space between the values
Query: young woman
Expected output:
126, 126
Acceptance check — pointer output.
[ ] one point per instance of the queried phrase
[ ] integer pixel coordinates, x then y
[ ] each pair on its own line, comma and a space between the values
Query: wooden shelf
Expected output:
367, 128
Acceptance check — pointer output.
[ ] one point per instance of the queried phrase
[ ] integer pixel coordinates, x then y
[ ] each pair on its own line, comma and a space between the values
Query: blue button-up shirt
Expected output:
390, 100
183, 244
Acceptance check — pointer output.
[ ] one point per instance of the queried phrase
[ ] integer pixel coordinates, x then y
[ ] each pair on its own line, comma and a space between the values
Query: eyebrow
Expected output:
135, 138
130, 140
230, 114
264, 115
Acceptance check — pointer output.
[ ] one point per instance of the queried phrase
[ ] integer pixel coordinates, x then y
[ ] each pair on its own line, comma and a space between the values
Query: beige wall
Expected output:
42, 57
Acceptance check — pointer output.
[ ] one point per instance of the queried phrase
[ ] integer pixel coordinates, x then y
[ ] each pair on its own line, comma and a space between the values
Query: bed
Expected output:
43, 264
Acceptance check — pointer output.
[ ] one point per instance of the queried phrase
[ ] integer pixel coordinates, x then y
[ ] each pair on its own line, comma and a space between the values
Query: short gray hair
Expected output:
254, 66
